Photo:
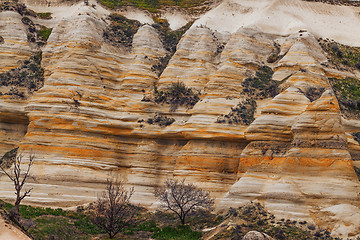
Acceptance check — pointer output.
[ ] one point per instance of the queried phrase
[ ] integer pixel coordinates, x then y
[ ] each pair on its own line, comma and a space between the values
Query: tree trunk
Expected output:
182, 219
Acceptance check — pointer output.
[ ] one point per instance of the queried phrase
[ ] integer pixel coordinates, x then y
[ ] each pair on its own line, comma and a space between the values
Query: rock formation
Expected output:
89, 121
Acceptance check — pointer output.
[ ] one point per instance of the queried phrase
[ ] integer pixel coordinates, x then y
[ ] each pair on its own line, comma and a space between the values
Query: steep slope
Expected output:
266, 124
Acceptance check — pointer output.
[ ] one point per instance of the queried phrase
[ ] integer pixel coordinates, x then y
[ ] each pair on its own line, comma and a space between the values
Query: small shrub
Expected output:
177, 95
274, 56
161, 65
314, 93
121, 31
160, 120
44, 15
261, 85
15, 6
243, 113
170, 39
30, 75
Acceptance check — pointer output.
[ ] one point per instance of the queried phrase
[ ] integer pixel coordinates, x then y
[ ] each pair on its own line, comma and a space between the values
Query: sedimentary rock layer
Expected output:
90, 120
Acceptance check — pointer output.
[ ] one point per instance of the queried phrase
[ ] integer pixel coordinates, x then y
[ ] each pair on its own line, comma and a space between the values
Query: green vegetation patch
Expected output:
259, 86
47, 223
347, 91
36, 33
44, 33
30, 75
313, 93
59, 227
121, 31
243, 113
182, 232
177, 95
154, 5
342, 56
253, 217
170, 39
44, 15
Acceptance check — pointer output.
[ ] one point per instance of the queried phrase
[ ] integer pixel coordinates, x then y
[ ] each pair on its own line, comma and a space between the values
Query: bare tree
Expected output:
183, 198
19, 177
113, 210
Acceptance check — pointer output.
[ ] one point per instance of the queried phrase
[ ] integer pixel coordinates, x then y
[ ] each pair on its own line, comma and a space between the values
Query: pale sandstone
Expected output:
296, 157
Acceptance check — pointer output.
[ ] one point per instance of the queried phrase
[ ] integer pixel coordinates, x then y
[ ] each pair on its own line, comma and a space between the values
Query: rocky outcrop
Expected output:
254, 235
89, 121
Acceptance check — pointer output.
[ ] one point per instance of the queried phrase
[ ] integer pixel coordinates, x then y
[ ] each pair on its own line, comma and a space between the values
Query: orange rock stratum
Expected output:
89, 123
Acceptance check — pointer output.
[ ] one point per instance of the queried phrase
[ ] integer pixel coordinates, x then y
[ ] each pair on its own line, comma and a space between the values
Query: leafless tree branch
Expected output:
182, 198
113, 210
19, 179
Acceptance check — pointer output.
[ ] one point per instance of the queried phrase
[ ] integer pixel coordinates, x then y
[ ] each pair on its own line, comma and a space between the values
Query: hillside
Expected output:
251, 100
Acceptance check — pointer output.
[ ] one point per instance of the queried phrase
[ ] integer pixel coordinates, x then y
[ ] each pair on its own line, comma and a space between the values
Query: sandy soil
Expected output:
9, 232
285, 17
281, 17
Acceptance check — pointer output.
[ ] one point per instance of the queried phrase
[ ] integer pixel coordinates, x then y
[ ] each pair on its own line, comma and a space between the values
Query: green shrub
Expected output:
29, 75
15, 6
177, 95
243, 113
121, 30
314, 93
182, 232
45, 15
341, 55
160, 120
261, 85
170, 39
27, 211
44, 33
347, 91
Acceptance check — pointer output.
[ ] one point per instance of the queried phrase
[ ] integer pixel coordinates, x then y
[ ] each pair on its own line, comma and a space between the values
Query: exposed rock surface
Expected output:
253, 235
88, 122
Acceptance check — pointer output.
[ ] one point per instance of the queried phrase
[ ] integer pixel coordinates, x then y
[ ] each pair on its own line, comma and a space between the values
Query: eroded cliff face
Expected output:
89, 121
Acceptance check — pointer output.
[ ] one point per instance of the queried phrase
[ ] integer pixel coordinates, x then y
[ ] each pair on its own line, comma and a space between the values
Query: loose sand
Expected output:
9, 232
284, 17
281, 17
